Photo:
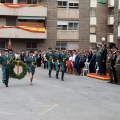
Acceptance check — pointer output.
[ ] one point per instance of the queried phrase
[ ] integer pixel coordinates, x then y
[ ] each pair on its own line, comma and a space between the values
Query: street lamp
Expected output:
103, 40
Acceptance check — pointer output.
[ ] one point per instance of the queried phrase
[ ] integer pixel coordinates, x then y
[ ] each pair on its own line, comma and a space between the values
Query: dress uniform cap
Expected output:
62, 48
31, 51
114, 47
57, 48
6, 49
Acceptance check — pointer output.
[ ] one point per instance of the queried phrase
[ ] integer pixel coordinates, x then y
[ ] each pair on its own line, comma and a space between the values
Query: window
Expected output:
2, 44
92, 30
31, 45
93, 12
67, 4
73, 26
74, 5
67, 25
2, 1
61, 45
62, 4
111, 11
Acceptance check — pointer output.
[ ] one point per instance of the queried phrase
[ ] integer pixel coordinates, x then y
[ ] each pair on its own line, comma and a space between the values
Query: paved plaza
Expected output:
76, 98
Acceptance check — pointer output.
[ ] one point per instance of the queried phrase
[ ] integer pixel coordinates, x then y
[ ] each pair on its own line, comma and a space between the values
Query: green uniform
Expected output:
56, 62
5, 62
117, 68
49, 57
31, 64
63, 59
108, 66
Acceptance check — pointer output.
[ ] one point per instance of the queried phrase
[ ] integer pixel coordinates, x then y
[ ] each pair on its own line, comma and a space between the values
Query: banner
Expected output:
20, 5
30, 29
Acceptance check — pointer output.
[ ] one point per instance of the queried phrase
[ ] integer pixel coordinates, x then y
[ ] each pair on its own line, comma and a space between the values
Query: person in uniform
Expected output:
49, 57
31, 64
117, 67
22, 56
98, 58
114, 56
108, 65
63, 59
56, 62
5, 62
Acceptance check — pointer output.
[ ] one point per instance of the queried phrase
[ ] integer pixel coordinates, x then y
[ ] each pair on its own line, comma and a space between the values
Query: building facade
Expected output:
70, 24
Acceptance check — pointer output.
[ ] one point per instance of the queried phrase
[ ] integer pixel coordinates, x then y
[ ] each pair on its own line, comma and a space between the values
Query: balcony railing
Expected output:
110, 20
23, 11
67, 34
20, 33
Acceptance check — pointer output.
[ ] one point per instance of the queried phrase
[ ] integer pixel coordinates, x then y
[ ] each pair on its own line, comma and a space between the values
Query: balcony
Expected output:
67, 13
19, 33
92, 38
110, 3
93, 3
67, 34
110, 38
24, 11
93, 21
110, 20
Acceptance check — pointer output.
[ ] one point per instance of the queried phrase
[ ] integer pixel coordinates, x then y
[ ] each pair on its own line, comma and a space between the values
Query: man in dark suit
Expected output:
93, 62
103, 59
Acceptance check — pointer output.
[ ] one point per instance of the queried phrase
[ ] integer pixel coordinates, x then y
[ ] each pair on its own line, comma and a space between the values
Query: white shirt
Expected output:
71, 58
74, 56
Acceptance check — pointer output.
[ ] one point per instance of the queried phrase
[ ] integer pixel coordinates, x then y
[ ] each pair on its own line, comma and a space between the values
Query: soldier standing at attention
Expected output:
49, 57
5, 62
63, 59
56, 62
108, 65
31, 64
117, 67
114, 56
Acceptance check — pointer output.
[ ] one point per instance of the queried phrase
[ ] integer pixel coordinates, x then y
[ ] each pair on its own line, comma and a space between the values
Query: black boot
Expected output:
6, 84
57, 73
50, 73
62, 77
31, 79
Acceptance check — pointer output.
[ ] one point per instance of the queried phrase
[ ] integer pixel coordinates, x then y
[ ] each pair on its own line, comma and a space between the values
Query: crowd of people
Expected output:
99, 61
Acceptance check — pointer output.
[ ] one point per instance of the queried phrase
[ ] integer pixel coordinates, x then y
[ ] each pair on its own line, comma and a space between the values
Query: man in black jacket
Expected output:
103, 59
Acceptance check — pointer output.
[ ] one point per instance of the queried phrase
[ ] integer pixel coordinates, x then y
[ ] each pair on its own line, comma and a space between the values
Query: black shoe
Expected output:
118, 84
109, 82
6, 84
62, 79
57, 77
114, 82
49, 76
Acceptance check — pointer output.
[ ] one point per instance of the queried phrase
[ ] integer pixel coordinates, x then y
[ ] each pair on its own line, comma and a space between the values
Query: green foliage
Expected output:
12, 72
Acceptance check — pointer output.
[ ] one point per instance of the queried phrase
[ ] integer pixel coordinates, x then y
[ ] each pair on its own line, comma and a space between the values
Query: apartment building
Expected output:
72, 24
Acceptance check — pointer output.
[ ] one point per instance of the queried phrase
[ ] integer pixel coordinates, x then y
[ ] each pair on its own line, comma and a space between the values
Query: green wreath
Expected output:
12, 72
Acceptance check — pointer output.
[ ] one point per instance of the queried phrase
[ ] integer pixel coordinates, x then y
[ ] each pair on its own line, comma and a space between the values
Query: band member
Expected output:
31, 64
56, 62
114, 56
108, 65
5, 62
117, 67
49, 57
63, 59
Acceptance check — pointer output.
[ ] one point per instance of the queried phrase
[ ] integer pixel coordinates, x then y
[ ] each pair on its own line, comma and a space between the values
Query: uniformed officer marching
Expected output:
108, 65
31, 65
63, 59
5, 62
117, 67
56, 62
49, 57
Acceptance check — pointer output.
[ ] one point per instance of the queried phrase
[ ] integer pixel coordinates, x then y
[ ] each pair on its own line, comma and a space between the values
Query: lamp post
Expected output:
103, 40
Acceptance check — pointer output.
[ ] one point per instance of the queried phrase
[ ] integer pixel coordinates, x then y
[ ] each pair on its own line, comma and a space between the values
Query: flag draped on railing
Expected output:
101, 1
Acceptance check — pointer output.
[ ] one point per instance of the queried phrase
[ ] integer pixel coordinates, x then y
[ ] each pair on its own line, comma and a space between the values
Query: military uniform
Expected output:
56, 62
5, 62
117, 68
108, 67
31, 64
114, 56
63, 59
49, 57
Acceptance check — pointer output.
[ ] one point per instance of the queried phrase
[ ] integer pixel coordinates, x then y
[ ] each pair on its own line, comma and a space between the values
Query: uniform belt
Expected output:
108, 63
117, 64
